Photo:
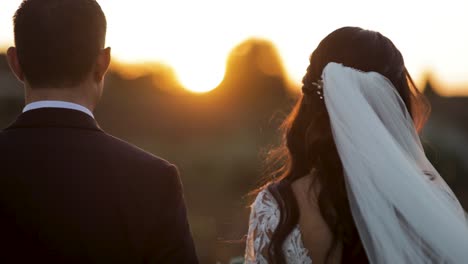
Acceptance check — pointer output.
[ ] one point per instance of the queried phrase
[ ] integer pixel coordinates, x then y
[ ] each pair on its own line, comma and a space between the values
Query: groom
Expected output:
69, 192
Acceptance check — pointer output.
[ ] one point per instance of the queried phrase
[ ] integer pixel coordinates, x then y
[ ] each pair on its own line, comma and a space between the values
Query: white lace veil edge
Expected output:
403, 210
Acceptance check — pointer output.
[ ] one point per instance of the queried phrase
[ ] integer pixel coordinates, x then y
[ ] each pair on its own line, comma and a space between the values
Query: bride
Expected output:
355, 185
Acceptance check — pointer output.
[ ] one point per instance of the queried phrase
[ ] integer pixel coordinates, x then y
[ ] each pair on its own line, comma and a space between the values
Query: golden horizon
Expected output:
195, 37
132, 69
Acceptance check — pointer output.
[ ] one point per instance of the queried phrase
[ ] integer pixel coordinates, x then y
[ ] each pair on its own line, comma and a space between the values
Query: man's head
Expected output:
59, 44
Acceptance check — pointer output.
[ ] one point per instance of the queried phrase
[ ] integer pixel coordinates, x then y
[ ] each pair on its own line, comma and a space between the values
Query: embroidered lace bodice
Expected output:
264, 218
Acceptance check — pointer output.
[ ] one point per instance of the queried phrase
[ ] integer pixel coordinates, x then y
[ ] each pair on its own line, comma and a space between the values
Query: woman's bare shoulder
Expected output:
316, 235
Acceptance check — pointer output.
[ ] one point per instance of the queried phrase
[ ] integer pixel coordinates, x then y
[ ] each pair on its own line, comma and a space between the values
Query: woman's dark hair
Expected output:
308, 143
58, 41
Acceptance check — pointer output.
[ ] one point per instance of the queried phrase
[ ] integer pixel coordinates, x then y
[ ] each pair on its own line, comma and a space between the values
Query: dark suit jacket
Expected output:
70, 193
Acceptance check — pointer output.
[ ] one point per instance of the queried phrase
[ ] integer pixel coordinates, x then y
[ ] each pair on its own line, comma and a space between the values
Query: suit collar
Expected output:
57, 104
55, 117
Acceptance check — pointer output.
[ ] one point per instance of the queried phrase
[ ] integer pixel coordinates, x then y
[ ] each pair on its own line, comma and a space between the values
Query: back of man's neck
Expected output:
58, 94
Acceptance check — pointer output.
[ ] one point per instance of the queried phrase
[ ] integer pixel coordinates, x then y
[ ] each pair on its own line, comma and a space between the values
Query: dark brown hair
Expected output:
308, 143
58, 40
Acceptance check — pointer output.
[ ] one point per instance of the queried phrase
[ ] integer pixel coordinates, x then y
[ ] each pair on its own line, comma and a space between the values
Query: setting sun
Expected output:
195, 37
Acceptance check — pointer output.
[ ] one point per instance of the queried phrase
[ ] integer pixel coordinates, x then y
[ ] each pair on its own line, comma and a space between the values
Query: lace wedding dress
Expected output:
264, 219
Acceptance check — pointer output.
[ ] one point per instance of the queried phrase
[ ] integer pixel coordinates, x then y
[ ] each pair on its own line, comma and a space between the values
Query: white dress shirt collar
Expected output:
57, 104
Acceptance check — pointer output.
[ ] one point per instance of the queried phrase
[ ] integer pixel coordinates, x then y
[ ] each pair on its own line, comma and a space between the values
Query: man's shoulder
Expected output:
90, 146
147, 170
125, 150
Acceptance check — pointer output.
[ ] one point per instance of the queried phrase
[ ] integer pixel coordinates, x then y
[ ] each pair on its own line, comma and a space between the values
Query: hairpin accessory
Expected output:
318, 88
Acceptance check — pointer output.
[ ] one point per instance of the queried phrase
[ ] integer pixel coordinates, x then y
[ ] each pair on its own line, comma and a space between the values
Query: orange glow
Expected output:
195, 37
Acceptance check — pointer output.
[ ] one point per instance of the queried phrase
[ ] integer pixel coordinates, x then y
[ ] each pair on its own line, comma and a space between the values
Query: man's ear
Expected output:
102, 64
12, 57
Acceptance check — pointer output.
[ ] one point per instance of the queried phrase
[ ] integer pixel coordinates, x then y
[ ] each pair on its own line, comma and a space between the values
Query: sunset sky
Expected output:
195, 37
